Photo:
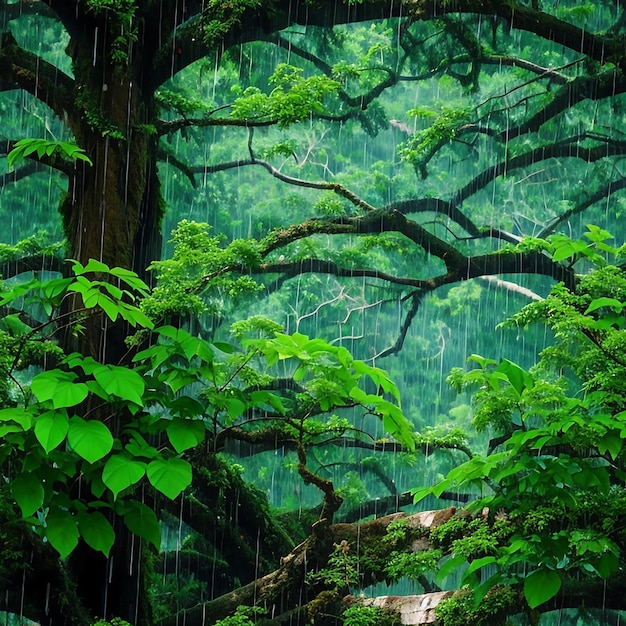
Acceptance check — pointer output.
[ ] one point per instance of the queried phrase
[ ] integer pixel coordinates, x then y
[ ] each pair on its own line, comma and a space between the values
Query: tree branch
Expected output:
20, 68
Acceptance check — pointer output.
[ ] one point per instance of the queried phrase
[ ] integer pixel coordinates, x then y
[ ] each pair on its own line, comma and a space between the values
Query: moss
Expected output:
493, 610
357, 615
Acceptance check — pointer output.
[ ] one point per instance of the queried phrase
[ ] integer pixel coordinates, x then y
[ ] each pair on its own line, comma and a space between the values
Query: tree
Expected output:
124, 97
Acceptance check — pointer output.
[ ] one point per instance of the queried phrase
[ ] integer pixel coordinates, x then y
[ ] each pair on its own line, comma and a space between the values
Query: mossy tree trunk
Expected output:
111, 213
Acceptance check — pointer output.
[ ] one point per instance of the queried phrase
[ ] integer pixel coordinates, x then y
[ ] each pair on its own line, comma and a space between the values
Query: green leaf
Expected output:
61, 531
597, 234
121, 382
109, 306
120, 472
20, 416
131, 279
15, 325
540, 586
227, 348
93, 265
96, 530
142, 521
602, 302
91, 439
519, 378
606, 565
60, 387
184, 434
563, 252
612, 443
51, 428
28, 493
450, 564
170, 476
186, 406
475, 565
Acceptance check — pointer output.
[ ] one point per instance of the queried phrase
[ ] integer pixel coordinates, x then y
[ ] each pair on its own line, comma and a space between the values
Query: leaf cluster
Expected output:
295, 98
100, 422
44, 147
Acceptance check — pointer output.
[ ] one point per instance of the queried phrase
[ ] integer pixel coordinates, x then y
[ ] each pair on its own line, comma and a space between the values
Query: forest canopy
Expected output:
311, 312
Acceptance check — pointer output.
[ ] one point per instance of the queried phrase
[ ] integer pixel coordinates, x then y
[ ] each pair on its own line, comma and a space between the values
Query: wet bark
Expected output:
283, 589
111, 213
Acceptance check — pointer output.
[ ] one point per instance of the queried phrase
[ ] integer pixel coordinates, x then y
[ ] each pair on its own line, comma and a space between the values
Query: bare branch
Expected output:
600, 194
337, 188
569, 148
416, 298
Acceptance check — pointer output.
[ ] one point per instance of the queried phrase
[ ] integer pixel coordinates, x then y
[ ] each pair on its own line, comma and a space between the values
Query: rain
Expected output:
311, 313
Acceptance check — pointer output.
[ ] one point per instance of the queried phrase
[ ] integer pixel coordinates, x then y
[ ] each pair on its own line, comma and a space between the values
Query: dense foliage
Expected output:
348, 185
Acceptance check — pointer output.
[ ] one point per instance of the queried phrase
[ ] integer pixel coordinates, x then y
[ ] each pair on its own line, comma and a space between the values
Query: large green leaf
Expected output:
91, 439
170, 476
96, 530
20, 416
142, 521
519, 378
51, 428
120, 472
120, 382
28, 493
540, 586
184, 434
60, 387
61, 531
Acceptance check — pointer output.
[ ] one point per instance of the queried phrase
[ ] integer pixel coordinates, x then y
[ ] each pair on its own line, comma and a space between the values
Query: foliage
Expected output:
460, 610
38, 243
293, 99
444, 129
243, 616
198, 278
42, 147
553, 448
356, 615
49, 442
509, 133
343, 570
115, 621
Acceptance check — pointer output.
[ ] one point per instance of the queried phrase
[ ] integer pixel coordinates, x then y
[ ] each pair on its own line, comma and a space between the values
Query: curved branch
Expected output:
581, 88
337, 188
600, 194
290, 269
23, 69
38, 263
459, 267
439, 207
416, 299
569, 148
30, 167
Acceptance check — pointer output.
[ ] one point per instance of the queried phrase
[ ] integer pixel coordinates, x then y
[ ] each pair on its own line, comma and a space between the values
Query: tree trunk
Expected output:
111, 213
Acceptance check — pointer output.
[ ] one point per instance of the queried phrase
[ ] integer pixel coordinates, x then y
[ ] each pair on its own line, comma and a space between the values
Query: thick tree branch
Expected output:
606, 85
38, 263
22, 69
290, 269
282, 588
440, 208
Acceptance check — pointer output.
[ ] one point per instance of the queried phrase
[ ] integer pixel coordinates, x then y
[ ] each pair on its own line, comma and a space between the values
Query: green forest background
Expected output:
292, 169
